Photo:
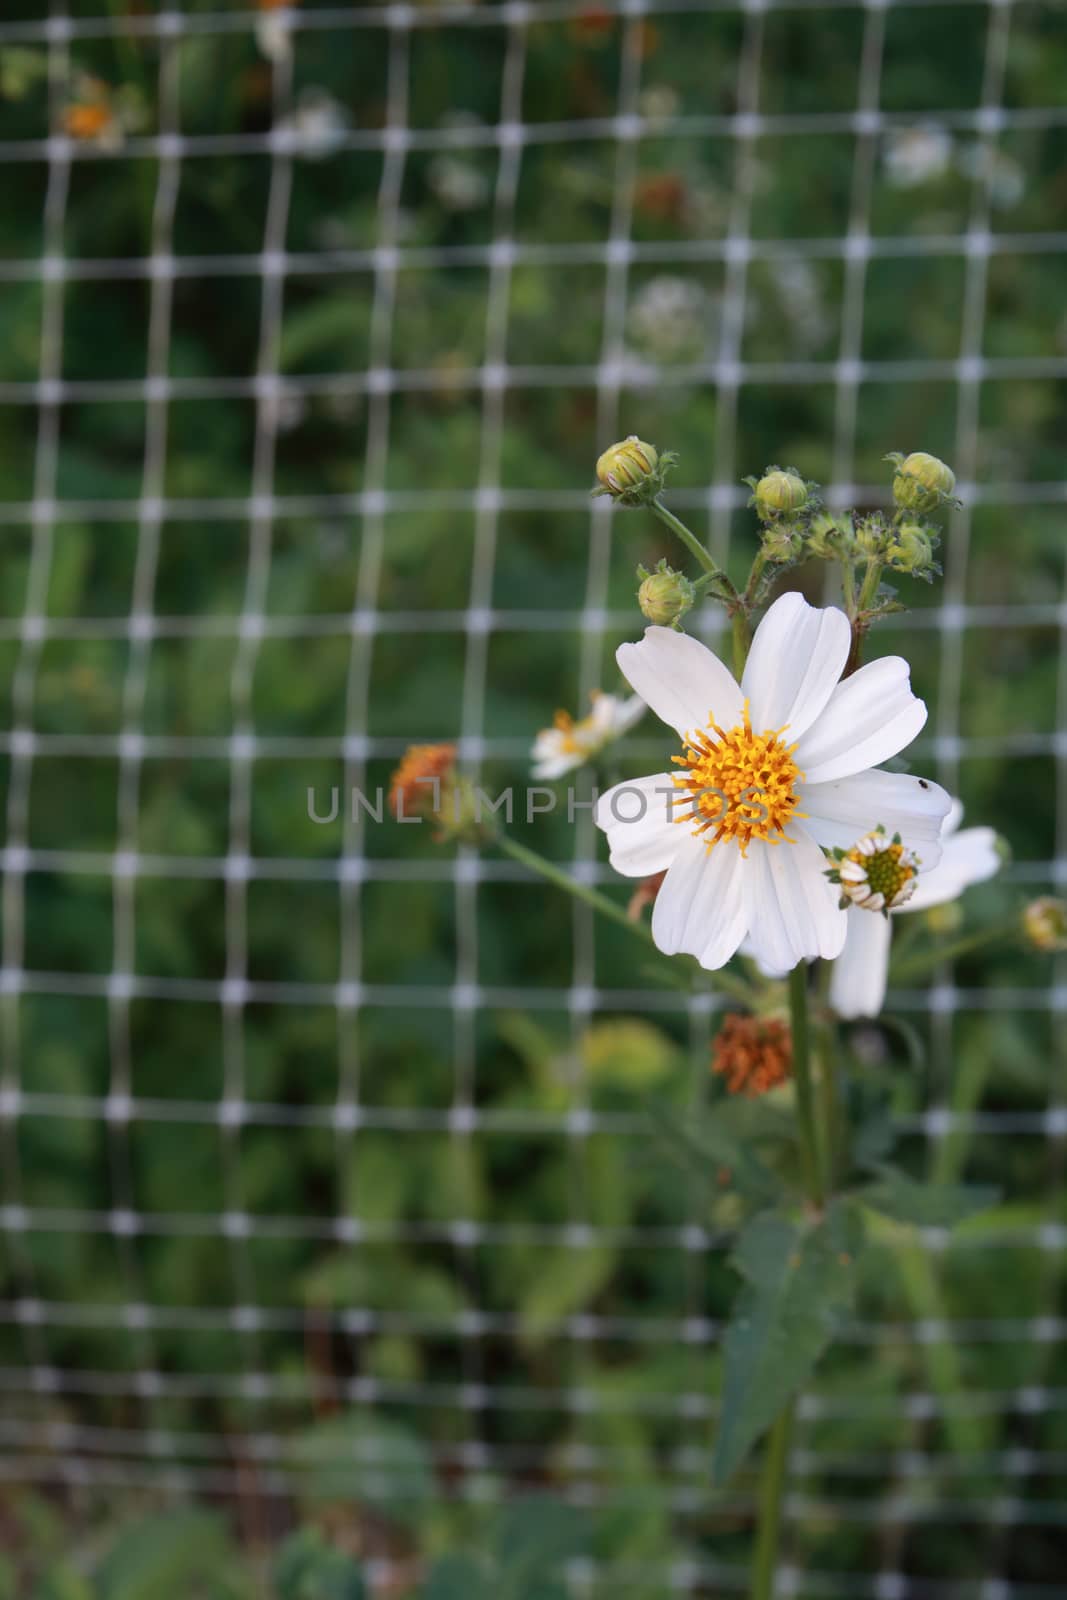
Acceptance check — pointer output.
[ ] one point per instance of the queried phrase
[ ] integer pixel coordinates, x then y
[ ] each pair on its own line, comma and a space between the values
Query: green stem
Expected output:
742, 635
829, 1106
860, 624
809, 1144
730, 983
920, 965
581, 891
754, 576
714, 572
872, 578
765, 1555
689, 539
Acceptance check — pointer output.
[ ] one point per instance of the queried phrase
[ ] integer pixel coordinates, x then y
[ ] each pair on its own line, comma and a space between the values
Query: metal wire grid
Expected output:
41, 1448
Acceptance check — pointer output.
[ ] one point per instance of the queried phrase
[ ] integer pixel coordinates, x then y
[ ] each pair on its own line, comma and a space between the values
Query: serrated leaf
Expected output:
704, 1143
926, 1205
800, 1283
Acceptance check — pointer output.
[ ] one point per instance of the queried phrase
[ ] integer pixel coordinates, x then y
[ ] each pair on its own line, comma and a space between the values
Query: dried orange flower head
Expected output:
89, 117
753, 1054
277, 5
418, 784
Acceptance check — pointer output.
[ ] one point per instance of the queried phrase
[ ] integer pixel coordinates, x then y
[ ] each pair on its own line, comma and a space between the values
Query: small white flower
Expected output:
1003, 176
879, 873
458, 184
568, 744
742, 826
914, 156
861, 972
274, 33
318, 124
669, 318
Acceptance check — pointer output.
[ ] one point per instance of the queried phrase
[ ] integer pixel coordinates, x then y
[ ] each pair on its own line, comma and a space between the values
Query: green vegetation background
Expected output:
533, 1066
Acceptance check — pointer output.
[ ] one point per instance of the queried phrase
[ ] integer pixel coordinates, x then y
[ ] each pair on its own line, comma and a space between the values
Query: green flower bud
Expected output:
782, 543
780, 494
911, 549
664, 596
829, 537
629, 471
945, 918
872, 537
921, 481
1045, 923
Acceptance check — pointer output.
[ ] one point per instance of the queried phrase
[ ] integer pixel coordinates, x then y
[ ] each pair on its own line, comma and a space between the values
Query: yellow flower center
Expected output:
888, 871
741, 785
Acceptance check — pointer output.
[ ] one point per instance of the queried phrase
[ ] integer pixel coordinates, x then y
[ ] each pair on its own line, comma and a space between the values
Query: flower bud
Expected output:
872, 537
780, 494
921, 481
782, 544
1045, 923
829, 537
945, 918
911, 549
664, 596
628, 470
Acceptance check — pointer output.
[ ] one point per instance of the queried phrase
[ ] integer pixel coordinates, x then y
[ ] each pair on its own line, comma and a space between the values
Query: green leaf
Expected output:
801, 1279
705, 1143
350, 1457
308, 1568
457, 1577
166, 1554
531, 1541
927, 1205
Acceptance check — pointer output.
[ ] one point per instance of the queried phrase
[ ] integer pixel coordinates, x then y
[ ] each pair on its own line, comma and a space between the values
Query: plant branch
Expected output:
809, 1143
730, 983
769, 1527
715, 573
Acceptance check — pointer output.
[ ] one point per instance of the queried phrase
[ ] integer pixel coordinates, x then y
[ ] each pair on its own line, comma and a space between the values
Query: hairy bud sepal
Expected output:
911, 549
632, 472
921, 481
664, 596
831, 538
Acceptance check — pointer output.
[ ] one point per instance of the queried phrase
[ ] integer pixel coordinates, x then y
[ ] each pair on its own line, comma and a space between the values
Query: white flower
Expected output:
568, 744
318, 124
859, 977
274, 34
458, 183
742, 827
669, 319
914, 156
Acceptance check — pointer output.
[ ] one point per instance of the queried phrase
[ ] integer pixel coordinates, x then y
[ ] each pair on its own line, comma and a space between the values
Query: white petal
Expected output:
628, 713
954, 818
797, 657
858, 977
636, 815
549, 767
868, 719
686, 686
966, 858
839, 813
701, 907
794, 915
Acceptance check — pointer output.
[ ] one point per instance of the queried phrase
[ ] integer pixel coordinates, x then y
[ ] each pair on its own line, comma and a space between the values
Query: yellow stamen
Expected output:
741, 785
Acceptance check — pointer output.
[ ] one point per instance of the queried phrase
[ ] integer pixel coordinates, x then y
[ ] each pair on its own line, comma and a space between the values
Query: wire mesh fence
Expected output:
306, 360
